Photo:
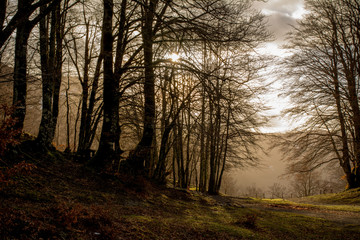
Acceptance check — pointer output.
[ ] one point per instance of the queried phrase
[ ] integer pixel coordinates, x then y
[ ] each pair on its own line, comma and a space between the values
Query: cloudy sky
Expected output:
282, 14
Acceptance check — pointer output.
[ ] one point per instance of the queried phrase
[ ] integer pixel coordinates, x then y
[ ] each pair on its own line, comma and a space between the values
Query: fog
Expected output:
270, 170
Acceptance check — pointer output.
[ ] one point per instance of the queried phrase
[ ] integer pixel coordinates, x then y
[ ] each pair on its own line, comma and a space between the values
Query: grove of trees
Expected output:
171, 89
158, 87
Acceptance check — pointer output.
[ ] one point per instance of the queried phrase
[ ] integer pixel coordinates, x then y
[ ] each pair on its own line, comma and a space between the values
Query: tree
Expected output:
114, 74
193, 118
20, 68
277, 190
215, 79
52, 29
85, 52
306, 183
151, 22
24, 26
107, 141
325, 79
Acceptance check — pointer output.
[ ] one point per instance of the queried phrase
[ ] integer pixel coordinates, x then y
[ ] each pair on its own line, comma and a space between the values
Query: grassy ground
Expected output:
61, 199
351, 197
315, 202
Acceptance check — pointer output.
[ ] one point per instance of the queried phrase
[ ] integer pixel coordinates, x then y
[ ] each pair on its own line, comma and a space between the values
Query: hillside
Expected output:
351, 197
57, 198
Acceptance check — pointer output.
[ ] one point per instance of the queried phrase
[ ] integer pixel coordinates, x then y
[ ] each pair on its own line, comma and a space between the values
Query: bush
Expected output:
249, 221
9, 138
8, 135
9, 174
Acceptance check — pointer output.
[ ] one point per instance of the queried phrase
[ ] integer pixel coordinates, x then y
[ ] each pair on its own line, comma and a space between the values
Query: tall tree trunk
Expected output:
82, 151
203, 159
68, 147
349, 61
143, 149
159, 173
20, 72
203, 146
59, 34
89, 127
51, 68
212, 123
106, 151
345, 158
180, 152
89, 123
224, 151
187, 121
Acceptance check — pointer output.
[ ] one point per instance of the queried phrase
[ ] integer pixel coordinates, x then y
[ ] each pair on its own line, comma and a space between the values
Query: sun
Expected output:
174, 57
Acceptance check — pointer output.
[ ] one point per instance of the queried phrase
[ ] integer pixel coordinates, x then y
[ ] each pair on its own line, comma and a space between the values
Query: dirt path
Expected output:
342, 217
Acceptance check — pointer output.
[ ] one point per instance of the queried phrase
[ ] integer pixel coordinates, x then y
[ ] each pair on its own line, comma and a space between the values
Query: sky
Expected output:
281, 15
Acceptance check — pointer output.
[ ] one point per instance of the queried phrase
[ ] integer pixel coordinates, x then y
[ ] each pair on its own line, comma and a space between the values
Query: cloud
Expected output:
285, 7
282, 14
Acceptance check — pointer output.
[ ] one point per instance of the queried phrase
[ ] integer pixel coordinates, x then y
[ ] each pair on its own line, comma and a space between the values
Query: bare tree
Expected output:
115, 70
194, 117
52, 29
24, 25
324, 87
253, 191
85, 52
277, 191
306, 183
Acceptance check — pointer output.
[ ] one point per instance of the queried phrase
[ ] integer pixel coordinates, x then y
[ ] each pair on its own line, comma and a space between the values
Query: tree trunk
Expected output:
345, 158
20, 73
203, 159
85, 94
212, 184
159, 173
51, 68
349, 60
68, 147
106, 151
143, 149
224, 152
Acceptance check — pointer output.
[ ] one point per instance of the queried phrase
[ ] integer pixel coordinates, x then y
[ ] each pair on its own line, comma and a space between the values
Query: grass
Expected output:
319, 203
351, 196
63, 200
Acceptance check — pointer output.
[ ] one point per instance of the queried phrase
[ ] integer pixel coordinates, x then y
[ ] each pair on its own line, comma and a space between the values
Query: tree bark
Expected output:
203, 159
143, 149
85, 94
20, 75
106, 151
51, 68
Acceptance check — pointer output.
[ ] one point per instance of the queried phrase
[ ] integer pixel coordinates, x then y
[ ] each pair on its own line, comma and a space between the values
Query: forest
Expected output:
172, 90
125, 119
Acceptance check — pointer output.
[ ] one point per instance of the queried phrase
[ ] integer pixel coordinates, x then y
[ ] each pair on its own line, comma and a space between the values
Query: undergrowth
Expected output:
10, 171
